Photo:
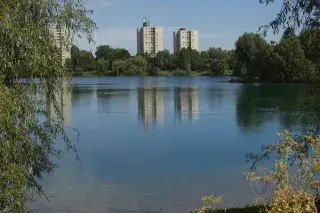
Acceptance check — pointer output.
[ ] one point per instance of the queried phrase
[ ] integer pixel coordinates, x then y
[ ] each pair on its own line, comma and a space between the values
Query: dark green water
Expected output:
151, 144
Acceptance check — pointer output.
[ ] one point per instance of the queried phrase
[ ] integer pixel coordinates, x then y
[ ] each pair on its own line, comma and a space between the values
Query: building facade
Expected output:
61, 40
149, 39
184, 38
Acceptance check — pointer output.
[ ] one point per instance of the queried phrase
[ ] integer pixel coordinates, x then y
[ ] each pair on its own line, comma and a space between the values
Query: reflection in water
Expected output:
266, 103
64, 103
106, 98
186, 104
121, 171
151, 106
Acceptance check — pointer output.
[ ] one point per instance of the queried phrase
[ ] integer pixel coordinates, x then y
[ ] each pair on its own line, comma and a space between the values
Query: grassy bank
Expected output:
247, 209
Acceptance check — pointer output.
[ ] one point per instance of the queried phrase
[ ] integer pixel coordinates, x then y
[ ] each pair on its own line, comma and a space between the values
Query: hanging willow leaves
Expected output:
30, 75
294, 13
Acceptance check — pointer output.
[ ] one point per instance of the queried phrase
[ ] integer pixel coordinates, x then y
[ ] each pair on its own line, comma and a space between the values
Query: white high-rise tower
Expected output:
184, 38
149, 39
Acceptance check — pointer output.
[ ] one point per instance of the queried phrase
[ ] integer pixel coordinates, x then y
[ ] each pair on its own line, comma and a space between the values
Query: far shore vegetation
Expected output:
295, 58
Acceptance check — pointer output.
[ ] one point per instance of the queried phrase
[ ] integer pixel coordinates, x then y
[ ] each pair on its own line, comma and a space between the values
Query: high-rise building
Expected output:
61, 39
149, 39
184, 38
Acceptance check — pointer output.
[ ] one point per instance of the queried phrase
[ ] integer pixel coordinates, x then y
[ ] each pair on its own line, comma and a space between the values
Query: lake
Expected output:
158, 144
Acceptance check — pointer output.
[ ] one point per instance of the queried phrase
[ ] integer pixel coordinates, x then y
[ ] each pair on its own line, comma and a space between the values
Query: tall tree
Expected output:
296, 66
86, 61
111, 54
288, 33
232, 59
27, 142
310, 42
248, 55
75, 57
219, 60
102, 66
164, 60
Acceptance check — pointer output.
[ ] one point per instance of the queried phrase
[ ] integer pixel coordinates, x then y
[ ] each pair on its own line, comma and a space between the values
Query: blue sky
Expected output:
219, 22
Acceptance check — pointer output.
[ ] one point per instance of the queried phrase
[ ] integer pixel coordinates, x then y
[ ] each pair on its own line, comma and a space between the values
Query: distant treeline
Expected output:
294, 59
118, 61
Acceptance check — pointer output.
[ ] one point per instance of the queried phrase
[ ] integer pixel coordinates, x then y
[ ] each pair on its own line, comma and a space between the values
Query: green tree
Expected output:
137, 65
195, 59
110, 54
231, 59
183, 59
164, 60
288, 33
68, 65
205, 63
120, 53
86, 61
119, 67
102, 66
249, 47
219, 60
75, 57
27, 141
188, 59
295, 66
105, 52
310, 42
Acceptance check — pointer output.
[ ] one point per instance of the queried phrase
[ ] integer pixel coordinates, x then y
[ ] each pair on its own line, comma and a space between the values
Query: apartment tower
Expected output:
184, 38
61, 40
149, 39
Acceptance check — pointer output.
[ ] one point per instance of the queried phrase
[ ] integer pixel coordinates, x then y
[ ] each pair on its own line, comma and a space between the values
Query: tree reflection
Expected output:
258, 104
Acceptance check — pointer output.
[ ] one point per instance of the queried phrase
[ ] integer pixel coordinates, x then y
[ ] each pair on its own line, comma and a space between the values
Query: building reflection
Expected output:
64, 103
151, 106
186, 104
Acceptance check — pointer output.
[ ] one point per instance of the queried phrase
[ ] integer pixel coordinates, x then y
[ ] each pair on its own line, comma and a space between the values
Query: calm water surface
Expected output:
160, 143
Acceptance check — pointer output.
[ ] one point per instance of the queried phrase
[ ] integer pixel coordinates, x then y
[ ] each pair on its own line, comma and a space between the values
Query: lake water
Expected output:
160, 143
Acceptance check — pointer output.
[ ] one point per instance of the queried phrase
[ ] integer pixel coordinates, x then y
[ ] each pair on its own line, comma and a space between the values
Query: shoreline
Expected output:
232, 80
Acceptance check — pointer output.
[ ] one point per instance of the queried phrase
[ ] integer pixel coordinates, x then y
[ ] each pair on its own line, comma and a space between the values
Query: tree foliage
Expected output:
293, 59
249, 55
130, 67
214, 61
27, 131
110, 54
296, 14
289, 33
